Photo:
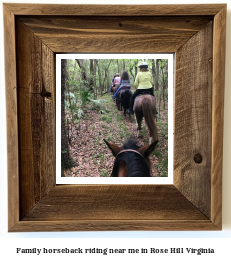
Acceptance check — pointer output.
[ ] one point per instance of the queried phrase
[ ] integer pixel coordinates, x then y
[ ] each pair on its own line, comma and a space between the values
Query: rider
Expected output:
143, 84
112, 84
124, 82
117, 79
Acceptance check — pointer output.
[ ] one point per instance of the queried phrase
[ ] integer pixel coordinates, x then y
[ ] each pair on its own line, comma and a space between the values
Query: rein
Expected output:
122, 151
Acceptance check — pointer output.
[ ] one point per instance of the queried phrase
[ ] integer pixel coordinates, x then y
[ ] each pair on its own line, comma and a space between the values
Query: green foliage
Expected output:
70, 101
106, 118
98, 105
80, 113
67, 105
86, 96
109, 138
105, 173
157, 153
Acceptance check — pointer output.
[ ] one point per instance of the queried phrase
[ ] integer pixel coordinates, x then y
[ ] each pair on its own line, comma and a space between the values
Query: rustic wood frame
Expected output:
33, 34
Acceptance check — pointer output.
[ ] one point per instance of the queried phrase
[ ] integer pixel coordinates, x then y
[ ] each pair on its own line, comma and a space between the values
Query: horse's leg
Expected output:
118, 102
137, 128
122, 99
139, 118
151, 128
148, 108
128, 102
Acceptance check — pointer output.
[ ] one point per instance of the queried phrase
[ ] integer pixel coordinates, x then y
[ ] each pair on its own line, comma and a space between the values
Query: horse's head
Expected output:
131, 160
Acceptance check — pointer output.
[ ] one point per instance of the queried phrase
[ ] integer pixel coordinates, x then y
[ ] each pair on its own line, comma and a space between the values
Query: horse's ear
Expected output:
148, 149
114, 148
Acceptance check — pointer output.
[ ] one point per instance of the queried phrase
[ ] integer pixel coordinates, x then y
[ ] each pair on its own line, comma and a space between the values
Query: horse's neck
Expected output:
123, 170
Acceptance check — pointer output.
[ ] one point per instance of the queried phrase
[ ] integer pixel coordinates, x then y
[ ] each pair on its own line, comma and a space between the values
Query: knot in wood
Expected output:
45, 94
198, 158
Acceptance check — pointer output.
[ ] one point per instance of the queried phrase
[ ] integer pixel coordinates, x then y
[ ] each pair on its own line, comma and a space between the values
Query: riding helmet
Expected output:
143, 65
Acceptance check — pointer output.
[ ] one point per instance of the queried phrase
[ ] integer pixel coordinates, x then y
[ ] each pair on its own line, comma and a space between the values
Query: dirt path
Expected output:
89, 150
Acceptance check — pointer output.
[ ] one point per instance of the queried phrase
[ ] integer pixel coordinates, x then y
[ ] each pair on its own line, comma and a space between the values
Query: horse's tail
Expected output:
148, 113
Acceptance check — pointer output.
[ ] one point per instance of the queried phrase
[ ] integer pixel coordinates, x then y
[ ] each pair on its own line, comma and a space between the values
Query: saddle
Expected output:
144, 93
124, 88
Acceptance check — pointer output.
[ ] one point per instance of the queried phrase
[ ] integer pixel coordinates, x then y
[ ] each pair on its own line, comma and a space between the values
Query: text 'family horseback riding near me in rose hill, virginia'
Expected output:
114, 118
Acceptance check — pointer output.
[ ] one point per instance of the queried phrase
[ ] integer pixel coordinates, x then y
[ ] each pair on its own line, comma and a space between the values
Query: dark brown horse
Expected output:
123, 100
114, 89
131, 160
145, 106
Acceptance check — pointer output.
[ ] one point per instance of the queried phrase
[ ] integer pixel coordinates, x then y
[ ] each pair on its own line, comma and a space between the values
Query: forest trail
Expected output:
88, 149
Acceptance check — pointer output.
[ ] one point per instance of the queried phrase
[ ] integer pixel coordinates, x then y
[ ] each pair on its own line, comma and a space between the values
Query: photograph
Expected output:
114, 116
116, 127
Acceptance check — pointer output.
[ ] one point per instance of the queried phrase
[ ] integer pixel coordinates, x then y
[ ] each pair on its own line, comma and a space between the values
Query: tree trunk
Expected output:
100, 80
136, 69
106, 77
105, 81
95, 85
83, 71
154, 74
92, 75
66, 159
131, 71
157, 75
118, 66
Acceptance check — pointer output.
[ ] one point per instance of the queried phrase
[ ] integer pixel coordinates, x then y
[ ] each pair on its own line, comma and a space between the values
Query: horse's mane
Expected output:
136, 165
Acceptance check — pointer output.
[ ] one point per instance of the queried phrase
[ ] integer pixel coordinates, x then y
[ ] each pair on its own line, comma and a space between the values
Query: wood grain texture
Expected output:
115, 10
102, 34
218, 114
114, 202
193, 126
35, 66
11, 116
111, 207
194, 201
114, 225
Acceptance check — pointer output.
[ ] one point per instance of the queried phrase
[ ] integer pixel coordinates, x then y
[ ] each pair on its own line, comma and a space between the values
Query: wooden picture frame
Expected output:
33, 34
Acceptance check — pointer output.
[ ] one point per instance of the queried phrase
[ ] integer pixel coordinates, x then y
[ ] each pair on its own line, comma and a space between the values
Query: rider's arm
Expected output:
137, 81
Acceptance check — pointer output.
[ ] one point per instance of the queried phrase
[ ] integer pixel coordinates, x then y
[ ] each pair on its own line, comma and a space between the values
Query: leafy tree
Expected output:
66, 159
